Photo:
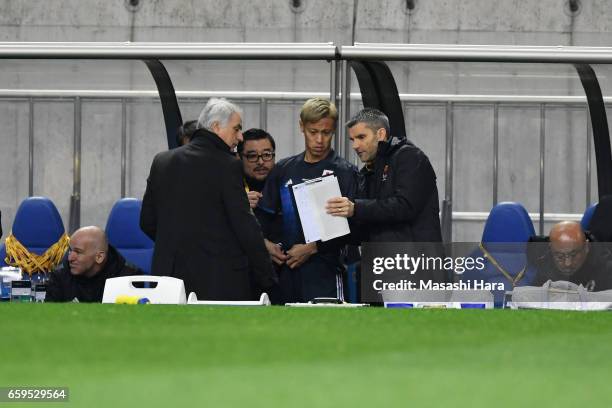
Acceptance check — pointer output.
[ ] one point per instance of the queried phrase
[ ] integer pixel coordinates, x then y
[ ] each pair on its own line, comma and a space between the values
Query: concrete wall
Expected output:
542, 22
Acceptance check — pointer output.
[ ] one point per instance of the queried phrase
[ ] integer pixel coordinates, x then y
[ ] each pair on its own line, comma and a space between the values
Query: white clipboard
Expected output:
310, 198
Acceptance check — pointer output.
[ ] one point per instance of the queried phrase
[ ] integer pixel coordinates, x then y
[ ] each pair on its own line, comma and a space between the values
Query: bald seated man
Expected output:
90, 261
572, 257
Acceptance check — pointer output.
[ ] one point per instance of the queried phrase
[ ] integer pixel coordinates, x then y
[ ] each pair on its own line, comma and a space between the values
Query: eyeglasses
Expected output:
569, 256
254, 157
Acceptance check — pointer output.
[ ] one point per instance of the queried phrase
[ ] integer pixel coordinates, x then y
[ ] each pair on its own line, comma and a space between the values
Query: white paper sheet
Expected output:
311, 198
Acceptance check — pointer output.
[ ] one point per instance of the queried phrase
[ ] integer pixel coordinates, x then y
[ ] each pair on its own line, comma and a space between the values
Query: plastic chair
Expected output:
124, 233
37, 226
508, 222
586, 217
505, 236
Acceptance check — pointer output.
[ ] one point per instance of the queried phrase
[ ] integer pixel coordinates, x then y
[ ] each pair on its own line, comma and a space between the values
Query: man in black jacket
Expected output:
570, 256
82, 275
257, 152
196, 210
399, 195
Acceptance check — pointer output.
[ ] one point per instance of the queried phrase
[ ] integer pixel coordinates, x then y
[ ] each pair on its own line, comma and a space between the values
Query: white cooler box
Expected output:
166, 290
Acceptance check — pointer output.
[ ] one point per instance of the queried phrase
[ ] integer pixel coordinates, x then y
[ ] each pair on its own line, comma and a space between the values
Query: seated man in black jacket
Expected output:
571, 257
91, 260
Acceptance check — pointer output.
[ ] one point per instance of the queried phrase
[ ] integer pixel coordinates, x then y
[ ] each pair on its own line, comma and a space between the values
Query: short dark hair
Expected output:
373, 119
186, 131
255, 134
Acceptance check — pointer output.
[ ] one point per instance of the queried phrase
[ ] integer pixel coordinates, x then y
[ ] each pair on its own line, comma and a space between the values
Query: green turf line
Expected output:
153, 355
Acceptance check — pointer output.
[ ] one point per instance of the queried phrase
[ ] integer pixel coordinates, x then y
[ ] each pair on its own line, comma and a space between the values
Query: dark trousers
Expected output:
317, 277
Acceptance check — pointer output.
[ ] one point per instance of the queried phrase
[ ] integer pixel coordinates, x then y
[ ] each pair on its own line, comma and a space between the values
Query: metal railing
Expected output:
483, 53
447, 102
339, 58
477, 53
162, 51
168, 51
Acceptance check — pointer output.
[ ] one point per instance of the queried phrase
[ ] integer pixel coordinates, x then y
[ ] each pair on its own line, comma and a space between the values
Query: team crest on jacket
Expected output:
385, 173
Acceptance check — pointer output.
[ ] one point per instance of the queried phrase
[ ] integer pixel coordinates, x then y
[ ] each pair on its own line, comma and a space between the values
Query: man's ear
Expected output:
381, 135
100, 257
215, 127
301, 125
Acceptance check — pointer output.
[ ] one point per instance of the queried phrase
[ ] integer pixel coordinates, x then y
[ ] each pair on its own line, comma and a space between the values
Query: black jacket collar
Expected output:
388, 147
204, 137
254, 184
385, 150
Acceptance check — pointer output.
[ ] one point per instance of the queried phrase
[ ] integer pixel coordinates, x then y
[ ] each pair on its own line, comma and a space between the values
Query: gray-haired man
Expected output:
399, 196
196, 210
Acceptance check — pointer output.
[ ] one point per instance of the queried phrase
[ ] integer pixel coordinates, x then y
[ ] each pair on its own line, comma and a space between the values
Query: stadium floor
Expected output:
146, 356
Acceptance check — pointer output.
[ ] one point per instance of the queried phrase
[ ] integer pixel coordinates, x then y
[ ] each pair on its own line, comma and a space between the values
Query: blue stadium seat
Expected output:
37, 226
586, 218
508, 222
506, 232
124, 233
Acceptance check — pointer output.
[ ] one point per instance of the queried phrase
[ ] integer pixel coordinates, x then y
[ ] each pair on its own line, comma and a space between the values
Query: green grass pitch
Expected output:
181, 356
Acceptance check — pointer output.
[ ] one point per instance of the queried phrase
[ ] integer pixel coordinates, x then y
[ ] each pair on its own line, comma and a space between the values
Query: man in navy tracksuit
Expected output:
315, 269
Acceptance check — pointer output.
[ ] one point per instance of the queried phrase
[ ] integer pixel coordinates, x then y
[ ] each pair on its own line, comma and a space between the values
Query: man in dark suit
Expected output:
196, 210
